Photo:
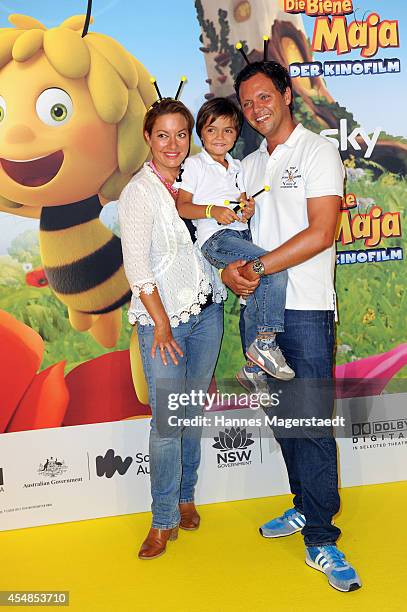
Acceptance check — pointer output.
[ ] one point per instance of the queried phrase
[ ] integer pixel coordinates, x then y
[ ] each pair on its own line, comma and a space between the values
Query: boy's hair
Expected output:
167, 106
215, 108
274, 71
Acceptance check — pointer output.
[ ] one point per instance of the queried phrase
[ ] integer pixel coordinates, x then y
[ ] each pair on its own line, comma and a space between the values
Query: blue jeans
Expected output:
266, 305
175, 455
308, 344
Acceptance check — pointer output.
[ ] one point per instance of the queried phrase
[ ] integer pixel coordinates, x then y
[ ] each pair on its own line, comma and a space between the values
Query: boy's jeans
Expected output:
267, 304
175, 453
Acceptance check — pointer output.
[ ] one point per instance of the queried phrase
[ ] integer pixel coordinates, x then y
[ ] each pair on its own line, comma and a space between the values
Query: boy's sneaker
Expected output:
271, 360
286, 524
255, 382
332, 562
252, 381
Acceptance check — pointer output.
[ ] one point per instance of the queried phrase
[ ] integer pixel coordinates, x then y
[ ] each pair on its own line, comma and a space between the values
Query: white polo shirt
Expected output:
212, 183
305, 166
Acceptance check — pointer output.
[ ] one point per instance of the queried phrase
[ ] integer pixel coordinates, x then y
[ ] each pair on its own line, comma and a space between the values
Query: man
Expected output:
295, 222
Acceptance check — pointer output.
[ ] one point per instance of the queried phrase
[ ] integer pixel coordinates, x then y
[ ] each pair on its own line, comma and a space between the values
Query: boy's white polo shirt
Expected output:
211, 183
305, 166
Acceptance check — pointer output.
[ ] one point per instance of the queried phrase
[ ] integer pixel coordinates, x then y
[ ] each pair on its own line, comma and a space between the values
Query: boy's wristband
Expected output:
208, 211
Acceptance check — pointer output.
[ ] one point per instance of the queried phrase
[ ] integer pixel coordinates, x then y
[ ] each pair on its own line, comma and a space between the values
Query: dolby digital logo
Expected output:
391, 428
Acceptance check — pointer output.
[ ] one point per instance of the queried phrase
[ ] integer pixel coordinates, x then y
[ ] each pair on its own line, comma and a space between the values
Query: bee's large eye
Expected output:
2, 108
54, 106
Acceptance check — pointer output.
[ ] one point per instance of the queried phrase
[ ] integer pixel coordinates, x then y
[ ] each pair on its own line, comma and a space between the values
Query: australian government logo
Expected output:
51, 471
52, 467
233, 447
290, 178
379, 434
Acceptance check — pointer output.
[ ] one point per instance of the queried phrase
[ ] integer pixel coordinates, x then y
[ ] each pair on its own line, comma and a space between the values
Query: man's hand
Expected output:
233, 278
248, 273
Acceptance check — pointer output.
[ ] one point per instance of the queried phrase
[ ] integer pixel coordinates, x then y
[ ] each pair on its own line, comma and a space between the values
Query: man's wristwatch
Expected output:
258, 267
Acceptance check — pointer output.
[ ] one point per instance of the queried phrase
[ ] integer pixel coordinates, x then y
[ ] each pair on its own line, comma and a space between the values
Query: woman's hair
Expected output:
215, 108
118, 84
167, 106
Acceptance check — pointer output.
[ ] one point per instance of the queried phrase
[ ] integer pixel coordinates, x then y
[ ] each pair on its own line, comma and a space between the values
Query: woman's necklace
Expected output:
173, 190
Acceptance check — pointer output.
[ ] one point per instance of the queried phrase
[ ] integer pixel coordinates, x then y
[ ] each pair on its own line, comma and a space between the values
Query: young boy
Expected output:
208, 179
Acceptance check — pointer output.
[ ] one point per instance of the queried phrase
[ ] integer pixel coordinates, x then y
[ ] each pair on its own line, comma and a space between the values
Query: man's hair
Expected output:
215, 108
274, 71
167, 106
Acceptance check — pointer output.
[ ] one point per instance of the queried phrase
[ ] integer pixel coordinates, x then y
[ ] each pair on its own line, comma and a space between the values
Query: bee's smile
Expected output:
33, 172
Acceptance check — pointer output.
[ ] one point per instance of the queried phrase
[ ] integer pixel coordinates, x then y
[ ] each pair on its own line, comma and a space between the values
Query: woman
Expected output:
177, 304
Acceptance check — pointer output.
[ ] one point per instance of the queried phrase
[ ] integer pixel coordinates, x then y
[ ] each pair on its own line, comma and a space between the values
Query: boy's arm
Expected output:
187, 209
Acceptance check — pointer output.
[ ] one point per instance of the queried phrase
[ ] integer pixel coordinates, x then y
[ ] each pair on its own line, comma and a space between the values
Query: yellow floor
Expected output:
223, 566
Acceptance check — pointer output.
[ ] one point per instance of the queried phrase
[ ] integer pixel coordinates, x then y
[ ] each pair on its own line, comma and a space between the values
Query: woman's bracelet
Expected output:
208, 211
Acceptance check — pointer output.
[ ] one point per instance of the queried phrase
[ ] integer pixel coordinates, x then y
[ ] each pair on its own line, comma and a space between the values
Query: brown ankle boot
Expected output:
155, 543
190, 518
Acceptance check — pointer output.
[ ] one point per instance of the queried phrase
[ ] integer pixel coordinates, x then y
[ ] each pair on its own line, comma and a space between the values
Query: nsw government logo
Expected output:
290, 178
233, 444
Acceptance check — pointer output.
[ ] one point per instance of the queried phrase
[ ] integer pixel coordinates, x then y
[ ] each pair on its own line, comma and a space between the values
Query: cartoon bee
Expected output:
71, 115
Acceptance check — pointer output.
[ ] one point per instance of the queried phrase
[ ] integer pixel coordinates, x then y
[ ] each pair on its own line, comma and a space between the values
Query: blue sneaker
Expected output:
332, 562
290, 522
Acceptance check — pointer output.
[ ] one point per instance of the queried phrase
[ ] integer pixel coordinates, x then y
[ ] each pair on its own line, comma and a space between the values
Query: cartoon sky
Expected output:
164, 36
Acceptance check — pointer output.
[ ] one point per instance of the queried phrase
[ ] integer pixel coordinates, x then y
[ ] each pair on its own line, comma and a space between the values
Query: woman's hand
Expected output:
224, 215
164, 341
248, 210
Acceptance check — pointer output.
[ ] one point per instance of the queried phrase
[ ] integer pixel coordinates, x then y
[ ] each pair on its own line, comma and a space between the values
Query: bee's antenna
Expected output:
87, 20
154, 82
265, 48
183, 79
239, 47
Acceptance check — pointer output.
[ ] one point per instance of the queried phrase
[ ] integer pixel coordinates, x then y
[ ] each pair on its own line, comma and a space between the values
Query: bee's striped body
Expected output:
82, 259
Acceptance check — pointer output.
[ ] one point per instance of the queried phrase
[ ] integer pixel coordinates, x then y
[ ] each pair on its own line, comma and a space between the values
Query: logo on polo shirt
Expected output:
290, 178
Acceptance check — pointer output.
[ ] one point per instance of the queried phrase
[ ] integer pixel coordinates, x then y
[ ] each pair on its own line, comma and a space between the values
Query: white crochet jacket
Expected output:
158, 253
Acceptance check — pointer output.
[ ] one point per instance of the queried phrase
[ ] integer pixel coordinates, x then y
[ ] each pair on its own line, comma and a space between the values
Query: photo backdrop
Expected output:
66, 379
